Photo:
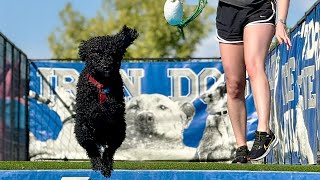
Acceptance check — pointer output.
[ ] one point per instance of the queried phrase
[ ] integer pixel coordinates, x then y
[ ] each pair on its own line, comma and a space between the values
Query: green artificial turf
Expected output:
155, 165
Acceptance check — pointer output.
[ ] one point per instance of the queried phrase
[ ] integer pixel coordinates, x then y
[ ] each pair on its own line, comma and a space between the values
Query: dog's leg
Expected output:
85, 139
93, 152
107, 158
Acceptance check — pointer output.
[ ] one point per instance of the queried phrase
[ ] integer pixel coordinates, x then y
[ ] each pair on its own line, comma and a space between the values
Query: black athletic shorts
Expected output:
231, 20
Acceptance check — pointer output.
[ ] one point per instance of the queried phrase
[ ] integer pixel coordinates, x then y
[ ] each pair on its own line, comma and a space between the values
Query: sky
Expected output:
28, 23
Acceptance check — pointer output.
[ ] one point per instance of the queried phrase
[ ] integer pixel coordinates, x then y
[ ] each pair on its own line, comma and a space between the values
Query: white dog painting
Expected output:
155, 127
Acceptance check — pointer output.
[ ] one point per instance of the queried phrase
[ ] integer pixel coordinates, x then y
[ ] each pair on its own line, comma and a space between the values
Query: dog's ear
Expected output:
189, 109
222, 89
125, 37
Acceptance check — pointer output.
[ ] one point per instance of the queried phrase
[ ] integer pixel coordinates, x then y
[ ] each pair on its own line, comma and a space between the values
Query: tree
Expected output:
157, 38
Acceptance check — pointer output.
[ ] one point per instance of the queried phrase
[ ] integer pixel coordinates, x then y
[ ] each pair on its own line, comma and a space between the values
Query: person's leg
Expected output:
257, 39
233, 63
230, 21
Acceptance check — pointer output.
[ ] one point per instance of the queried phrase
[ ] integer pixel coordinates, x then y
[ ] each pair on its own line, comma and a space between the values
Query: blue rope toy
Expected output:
173, 13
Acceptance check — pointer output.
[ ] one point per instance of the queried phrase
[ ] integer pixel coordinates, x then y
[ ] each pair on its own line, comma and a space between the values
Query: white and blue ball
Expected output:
173, 11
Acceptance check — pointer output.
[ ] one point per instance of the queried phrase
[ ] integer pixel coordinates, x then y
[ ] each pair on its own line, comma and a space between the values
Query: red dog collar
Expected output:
103, 91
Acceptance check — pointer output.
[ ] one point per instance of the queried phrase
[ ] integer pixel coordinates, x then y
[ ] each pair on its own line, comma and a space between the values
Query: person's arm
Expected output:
281, 31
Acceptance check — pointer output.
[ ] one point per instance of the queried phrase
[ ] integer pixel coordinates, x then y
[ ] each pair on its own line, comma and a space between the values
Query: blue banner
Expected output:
294, 80
149, 85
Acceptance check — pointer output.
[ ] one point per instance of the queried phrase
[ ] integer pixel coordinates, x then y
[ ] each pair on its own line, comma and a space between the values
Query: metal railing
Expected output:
14, 131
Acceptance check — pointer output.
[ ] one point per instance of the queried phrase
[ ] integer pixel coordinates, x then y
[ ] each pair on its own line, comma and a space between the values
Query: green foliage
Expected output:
274, 43
157, 38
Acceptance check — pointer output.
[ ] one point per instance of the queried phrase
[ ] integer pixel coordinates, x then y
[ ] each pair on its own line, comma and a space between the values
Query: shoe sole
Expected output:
273, 144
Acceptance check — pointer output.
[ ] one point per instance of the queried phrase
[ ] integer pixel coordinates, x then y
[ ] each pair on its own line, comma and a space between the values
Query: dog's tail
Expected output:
126, 37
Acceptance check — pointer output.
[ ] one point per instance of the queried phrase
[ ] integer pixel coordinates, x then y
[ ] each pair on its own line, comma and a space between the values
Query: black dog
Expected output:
100, 124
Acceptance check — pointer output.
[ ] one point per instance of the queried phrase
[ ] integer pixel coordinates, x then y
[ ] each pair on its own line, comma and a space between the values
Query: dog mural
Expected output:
301, 134
155, 126
66, 146
218, 141
293, 137
100, 123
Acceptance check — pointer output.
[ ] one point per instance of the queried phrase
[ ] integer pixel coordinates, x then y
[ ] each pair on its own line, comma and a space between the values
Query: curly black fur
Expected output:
100, 127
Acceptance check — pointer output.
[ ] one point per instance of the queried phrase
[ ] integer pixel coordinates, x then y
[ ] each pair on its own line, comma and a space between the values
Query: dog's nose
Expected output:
144, 123
146, 117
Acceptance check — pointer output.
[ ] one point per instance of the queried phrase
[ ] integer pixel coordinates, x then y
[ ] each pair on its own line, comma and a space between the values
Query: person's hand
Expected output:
282, 36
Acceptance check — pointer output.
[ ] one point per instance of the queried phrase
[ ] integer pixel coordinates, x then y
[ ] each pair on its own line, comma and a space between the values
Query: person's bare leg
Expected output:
257, 39
235, 73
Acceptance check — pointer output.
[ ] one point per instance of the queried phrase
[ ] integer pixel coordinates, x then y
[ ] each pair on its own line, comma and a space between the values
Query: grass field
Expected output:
155, 165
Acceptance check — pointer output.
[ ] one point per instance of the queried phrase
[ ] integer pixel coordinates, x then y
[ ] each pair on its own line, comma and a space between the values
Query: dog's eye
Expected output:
135, 107
163, 107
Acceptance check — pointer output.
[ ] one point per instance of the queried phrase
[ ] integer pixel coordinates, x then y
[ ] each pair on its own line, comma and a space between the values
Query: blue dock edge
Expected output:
154, 174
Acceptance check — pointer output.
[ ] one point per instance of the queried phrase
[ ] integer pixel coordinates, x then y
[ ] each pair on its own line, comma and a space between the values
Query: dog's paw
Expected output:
106, 172
96, 164
107, 167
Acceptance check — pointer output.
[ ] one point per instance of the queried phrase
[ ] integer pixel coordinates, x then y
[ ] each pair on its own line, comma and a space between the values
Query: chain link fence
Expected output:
14, 131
